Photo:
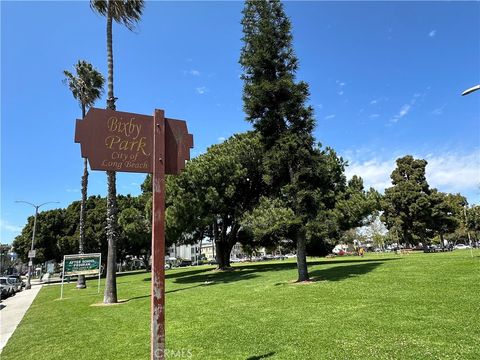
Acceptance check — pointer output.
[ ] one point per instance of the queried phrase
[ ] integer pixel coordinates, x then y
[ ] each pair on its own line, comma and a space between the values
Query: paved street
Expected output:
12, 311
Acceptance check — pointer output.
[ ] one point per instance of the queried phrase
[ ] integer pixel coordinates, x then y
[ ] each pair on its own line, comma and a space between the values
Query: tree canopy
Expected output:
210, 197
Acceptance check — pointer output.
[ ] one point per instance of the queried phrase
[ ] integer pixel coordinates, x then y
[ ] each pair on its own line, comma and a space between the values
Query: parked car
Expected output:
7, 289
184, 263
17, 282
461, 246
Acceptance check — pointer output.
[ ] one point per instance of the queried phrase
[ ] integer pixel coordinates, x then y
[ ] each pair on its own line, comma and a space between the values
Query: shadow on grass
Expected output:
265, 266
187, 272
246, 272
166, 292
211, 278
208, 276
263, 356
338, 273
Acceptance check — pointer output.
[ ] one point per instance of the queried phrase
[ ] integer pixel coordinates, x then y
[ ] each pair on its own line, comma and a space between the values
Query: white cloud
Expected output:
453, 172
375, 173
320, 106
448, 172
340, 86
221, 139
373, 116
191, 72
201, 90
432, 33
403, 111
378, 100
439, 111
328, 117
72, 190
6, 226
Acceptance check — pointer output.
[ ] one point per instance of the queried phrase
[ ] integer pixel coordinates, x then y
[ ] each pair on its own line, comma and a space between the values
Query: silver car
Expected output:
16, 282
6, 289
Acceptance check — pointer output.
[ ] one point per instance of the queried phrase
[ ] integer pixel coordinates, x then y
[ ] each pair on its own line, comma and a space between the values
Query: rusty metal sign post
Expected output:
120, 141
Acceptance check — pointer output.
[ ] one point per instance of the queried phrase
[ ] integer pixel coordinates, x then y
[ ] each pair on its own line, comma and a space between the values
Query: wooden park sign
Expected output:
120, 141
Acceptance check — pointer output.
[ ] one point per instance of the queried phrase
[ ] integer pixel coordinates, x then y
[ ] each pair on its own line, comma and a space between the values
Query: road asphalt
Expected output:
12, 311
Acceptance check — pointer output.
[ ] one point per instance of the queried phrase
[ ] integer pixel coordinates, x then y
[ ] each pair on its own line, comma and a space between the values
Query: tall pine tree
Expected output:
406, 204
298, 173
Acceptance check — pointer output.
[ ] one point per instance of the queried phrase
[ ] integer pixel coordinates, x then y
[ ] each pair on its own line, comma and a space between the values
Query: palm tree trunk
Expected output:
81, 283
110, 295
111, 98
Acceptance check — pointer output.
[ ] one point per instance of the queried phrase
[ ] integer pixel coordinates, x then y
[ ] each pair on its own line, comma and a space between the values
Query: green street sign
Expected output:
82, 264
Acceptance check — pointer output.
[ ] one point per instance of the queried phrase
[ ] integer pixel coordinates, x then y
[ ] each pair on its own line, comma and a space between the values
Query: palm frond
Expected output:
87, 83
126, 12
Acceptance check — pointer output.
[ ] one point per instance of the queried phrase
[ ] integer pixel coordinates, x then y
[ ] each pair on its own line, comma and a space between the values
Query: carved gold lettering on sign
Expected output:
125, 140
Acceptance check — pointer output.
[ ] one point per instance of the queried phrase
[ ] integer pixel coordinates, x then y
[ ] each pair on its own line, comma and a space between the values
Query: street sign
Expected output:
32, 253
119, 141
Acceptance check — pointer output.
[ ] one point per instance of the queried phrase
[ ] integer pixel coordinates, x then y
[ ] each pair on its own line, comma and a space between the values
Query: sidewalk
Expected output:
12, 311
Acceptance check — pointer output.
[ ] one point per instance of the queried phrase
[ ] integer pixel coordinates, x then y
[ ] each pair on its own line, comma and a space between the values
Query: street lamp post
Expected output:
471, 90
30, 263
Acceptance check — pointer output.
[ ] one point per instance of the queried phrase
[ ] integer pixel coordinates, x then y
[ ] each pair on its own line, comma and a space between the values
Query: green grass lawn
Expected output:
417, 306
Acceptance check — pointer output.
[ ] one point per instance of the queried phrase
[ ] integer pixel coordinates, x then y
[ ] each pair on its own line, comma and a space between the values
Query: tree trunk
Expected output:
110, 295
111, 97
223, 254
81, 283
301, 257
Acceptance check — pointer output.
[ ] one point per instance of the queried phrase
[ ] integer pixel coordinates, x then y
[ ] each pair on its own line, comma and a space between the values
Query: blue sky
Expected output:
385, 81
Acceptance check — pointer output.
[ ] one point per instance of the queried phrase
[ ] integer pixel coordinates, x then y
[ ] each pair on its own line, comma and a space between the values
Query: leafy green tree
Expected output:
6, 262
353, 208
49, 232
128, 13
210, 197
446, 213
297, 172
472, 220
406, 204
135, 230
86, 86
95, 226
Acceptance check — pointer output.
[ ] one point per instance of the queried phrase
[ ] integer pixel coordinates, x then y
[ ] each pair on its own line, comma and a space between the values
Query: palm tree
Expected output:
126, 12
87, 87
